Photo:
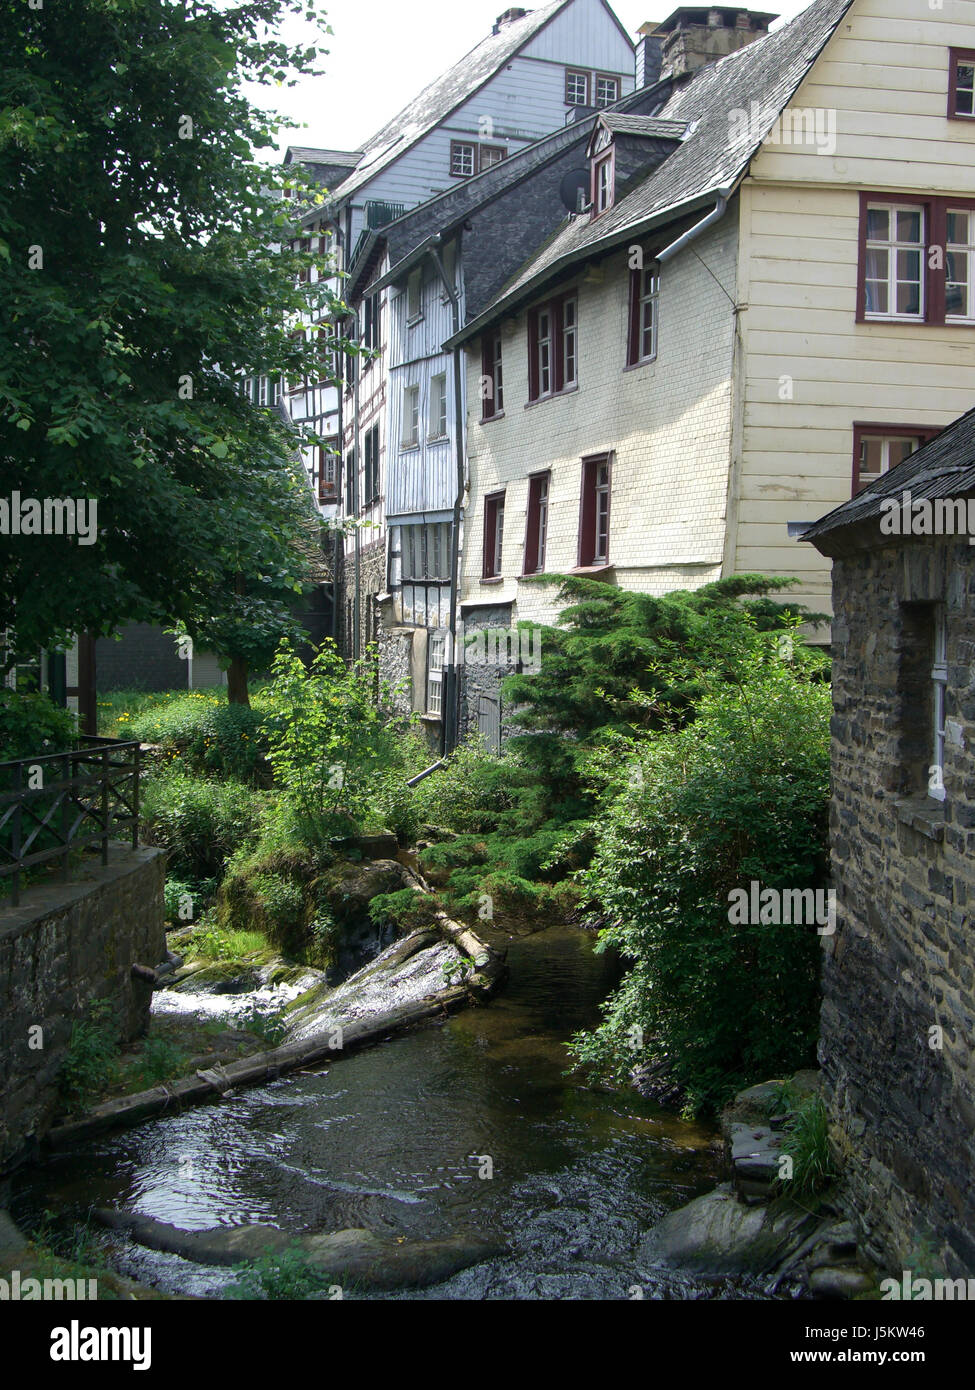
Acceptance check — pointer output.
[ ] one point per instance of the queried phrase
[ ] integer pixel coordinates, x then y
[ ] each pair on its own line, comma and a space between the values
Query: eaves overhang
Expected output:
590, 251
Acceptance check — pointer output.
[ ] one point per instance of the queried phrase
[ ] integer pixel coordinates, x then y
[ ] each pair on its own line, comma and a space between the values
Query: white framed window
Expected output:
604, 184
939, 683
493, 535
491, 155
544, 351
895, 261
601, 552
570, 341
436, 652
463, 158
878, 453
960, 261
268, 392
576, 88
438, 406
411, 417
607, 89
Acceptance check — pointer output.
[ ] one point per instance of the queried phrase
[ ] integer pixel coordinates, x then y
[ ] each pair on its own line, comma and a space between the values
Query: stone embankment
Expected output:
750, 1226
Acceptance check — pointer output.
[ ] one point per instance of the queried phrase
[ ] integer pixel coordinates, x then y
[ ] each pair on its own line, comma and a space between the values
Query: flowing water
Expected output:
400, 1138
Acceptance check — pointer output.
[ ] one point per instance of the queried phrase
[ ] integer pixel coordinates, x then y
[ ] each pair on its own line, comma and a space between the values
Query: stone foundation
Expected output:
64, 947
898, 1015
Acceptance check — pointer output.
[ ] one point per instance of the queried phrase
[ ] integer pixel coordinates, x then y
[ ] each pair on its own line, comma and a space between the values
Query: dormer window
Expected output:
961, 84
602, 157
604, 181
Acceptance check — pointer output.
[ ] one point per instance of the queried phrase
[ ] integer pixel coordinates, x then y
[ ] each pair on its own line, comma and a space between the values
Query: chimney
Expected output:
649, 56
694, 36
508, 17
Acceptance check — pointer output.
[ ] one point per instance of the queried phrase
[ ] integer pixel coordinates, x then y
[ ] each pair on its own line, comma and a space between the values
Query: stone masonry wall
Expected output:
64, 947
901, 961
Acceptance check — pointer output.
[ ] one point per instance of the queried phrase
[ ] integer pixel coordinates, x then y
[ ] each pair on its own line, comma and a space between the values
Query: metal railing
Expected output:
56, 805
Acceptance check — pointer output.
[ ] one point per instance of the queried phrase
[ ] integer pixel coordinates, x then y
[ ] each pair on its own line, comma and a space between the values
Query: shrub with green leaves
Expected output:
91, 1064
740, 794
328, 740
203, 732
31, 725
199, 823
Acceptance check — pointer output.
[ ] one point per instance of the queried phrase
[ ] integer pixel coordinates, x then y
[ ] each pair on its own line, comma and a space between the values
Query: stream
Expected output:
400, 1138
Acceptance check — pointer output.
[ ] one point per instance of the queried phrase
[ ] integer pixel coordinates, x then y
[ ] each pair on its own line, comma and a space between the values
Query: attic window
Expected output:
961, 85
576, 88
607, 89
603, 183
467, 159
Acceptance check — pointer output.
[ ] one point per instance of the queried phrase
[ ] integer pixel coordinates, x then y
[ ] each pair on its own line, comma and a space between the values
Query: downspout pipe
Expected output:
357, 537
449, 728
715, 215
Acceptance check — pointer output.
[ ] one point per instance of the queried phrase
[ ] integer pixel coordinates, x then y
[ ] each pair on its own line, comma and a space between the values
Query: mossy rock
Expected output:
220, 977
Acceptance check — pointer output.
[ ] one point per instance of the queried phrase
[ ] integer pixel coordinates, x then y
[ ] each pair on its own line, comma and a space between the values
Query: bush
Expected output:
328, 740
92, 1061
32, 726
739, 795
471, 793
200, 823
279, 892
203, 731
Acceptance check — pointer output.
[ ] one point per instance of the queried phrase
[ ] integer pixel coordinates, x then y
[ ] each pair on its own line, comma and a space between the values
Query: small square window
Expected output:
463, 159
607, 90
576, 88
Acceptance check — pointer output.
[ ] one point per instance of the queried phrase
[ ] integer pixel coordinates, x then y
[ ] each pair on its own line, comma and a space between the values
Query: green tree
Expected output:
623, 662
144, 270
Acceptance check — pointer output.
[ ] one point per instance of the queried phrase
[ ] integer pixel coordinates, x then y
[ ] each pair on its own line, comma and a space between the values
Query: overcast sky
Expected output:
383, 52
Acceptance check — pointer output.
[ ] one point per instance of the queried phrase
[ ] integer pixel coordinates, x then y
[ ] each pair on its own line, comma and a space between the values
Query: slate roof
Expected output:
410, 233
944, 467
447, 92
711, 160
622, 124
309, 154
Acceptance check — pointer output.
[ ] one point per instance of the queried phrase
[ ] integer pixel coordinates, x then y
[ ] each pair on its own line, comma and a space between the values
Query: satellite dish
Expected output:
574, 189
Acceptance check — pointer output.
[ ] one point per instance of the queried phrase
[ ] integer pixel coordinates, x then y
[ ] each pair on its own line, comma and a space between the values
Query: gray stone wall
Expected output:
901, 962
480, 679
64, 947
372, 582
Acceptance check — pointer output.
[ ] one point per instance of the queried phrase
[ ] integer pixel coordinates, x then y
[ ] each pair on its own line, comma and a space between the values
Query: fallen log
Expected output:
329, 1045
249, 1071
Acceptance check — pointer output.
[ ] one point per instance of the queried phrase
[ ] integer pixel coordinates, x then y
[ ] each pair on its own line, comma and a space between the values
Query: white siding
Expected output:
584, 28
667, 423
884, 76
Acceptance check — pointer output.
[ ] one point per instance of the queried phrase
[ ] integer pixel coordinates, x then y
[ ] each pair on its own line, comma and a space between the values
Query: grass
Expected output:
807, 1144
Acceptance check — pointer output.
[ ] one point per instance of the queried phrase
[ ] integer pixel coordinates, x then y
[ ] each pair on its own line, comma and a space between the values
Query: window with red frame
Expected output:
641, 345
603, 183
493, 535
917, 259
594, 511
536, 531
961, 84
492, 377
553, 347
878, 448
